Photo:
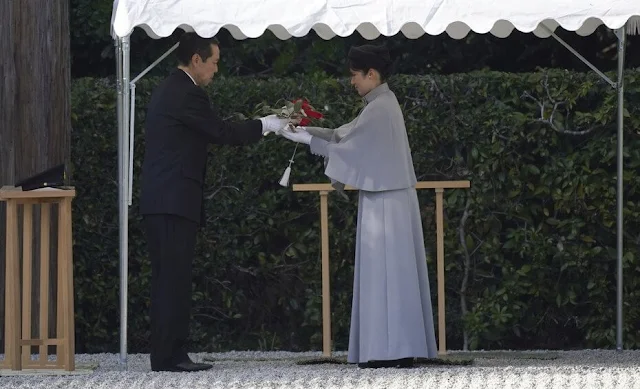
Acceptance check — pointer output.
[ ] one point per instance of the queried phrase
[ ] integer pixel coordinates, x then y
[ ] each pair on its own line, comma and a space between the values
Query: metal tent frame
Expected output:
125, 117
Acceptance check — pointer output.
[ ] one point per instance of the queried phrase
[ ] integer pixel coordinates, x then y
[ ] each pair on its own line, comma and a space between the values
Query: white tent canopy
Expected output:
370, 18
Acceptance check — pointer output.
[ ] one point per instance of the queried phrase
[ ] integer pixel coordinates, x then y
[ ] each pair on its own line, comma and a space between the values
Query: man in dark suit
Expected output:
180, 122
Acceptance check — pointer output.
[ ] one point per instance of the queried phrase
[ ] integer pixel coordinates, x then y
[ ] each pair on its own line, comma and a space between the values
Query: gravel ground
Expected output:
534, 369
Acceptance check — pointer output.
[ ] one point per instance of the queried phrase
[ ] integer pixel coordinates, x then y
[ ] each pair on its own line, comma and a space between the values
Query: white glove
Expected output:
300, 135
273, 123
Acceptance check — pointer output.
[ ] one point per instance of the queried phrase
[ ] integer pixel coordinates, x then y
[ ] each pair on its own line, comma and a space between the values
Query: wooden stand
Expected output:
18, 318
324, 189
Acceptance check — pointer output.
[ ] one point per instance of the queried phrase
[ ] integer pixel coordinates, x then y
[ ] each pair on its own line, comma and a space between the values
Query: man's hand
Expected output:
273, 123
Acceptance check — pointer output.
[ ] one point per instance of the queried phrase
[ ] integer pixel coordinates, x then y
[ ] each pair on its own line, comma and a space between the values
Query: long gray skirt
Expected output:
391, 313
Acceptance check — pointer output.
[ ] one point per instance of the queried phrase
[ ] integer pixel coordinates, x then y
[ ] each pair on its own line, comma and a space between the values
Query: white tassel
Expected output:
284, 181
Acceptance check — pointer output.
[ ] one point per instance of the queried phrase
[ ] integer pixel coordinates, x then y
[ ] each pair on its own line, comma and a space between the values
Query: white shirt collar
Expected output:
187, 73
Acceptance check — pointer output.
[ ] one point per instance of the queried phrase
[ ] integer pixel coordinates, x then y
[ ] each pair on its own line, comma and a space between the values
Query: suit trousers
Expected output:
171, 244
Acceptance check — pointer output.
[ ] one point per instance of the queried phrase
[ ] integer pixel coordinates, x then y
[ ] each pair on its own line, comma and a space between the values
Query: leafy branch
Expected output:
549, 102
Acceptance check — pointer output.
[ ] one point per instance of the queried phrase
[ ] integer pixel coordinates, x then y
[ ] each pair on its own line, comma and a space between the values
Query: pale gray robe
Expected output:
391, 313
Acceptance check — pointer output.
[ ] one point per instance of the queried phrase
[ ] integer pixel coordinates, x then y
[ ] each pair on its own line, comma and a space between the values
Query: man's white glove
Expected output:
300, 135
273, 123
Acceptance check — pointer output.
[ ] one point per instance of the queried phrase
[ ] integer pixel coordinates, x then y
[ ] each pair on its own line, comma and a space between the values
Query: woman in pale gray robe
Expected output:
391, 316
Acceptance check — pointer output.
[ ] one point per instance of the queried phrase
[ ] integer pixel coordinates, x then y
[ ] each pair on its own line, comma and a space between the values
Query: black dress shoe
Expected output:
186, 367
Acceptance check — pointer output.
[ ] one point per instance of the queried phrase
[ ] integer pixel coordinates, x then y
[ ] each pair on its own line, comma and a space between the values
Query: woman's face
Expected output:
364, 82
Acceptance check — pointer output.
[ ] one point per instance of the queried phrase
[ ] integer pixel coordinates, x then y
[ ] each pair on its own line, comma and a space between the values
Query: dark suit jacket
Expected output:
180, 123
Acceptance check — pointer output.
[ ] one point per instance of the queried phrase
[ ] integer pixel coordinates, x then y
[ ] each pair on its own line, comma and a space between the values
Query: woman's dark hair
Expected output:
366, 57
190, 44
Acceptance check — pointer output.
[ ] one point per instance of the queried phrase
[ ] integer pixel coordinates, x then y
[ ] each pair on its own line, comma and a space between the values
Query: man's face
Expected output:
205, 70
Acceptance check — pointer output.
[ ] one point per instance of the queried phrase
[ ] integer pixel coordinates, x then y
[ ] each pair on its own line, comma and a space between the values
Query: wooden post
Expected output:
442, 337
66, 332
12, 292
27, 264
326, 275
18, 317
45, 220
324, 190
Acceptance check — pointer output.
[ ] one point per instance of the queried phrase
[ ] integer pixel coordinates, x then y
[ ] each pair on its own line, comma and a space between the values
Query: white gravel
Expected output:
573, 369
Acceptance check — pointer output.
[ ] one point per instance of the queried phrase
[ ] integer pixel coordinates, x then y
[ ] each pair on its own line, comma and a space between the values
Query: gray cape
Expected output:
371, 152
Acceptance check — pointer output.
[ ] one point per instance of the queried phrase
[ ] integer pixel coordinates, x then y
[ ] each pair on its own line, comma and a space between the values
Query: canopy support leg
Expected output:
621, 33
123, 148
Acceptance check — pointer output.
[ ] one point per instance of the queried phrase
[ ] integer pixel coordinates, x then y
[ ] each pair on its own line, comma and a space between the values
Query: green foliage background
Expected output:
530, 247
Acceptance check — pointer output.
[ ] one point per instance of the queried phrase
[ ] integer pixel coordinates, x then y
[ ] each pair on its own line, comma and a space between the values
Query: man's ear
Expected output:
195, 58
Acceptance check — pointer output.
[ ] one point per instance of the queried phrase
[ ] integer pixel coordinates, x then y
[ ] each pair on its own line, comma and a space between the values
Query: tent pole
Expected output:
123, 160
119, 109
621, 34
119, 106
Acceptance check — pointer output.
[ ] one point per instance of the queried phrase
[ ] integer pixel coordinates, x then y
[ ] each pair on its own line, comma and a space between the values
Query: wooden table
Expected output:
324, 189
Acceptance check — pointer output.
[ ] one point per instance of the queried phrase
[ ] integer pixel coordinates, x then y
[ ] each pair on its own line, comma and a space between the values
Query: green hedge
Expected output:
530, 247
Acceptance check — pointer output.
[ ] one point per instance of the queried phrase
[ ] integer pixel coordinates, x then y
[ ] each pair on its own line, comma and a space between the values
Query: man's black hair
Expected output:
190, 44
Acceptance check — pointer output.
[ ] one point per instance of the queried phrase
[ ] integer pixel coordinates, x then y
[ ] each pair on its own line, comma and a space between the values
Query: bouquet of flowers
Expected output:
293, 110
296, 109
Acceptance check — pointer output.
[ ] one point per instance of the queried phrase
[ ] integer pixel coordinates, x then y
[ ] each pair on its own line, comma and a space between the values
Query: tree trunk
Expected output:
35, 119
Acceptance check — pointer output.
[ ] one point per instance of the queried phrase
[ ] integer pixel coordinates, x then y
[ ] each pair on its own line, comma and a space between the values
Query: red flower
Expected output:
309, 111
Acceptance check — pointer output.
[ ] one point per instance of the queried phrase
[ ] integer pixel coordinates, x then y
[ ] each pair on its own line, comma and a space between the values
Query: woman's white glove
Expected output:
273, 123
299, 135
